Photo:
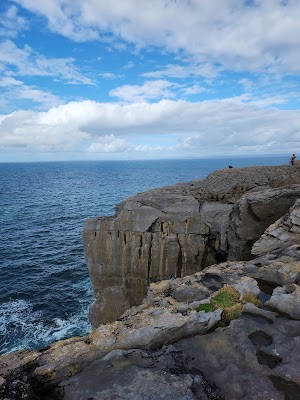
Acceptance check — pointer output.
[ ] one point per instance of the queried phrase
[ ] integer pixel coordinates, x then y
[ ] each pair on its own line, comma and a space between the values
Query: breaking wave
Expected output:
23, 327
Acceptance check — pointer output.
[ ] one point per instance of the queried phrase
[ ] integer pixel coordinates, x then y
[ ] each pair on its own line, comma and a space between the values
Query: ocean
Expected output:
45, 290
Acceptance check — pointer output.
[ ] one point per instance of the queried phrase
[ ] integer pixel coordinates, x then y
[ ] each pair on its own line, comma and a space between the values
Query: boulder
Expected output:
286, 299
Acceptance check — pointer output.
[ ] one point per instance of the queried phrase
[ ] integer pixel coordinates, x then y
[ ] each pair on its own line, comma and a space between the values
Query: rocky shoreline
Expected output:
159, 342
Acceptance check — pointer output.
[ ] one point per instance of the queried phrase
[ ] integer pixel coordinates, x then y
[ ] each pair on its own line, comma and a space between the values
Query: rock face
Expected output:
179, 230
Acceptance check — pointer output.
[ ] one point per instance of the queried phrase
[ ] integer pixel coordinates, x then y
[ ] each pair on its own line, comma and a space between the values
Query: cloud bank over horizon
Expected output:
139, 79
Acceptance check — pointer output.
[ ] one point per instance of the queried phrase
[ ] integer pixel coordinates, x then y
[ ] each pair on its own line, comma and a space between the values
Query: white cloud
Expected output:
109, 144
29, 63
184, 71
129, 65
154, 90
25, 129
246, 83
15, 91
109, 75
152, 149
190, 90
148, 91
11, 23
64, 17
193, 129
10, 54
45, 99
262, 35
7, 81
113, 144
266, 101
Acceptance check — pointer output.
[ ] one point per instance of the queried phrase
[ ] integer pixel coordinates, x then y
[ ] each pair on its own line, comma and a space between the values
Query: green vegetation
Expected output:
228, 299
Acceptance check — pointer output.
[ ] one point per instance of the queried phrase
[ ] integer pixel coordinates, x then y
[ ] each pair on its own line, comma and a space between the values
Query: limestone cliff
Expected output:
178, 230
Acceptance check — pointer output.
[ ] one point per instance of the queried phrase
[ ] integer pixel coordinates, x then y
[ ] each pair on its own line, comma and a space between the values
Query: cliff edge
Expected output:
179, 230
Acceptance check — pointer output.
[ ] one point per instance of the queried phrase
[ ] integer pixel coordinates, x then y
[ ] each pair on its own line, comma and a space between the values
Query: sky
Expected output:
140, 79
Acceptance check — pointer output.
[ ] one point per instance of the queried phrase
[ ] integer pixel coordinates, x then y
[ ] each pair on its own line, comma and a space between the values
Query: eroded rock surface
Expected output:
245, 358
256, 357
137, 374
179, 230
147, 327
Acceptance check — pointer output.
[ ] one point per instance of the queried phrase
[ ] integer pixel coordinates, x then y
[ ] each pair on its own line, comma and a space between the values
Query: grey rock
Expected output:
137, 374
241, 358
253, 214
122, 358
285, 230
286, 299
179, 230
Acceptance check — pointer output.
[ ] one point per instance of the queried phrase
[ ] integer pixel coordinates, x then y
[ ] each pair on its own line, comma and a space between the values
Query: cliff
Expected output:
178, 230
230, 330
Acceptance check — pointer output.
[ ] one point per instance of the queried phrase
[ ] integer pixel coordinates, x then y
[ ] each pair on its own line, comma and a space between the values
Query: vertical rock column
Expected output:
142, 244
117, 254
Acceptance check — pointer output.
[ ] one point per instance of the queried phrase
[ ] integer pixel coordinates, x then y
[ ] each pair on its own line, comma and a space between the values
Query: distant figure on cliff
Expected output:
292, 159
230, 166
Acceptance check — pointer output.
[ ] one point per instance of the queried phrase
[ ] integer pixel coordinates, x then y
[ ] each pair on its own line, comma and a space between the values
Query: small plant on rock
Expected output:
228, 299
251, 298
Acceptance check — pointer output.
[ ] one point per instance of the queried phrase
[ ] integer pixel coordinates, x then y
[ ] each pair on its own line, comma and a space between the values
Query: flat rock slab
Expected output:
256, 358
137, 374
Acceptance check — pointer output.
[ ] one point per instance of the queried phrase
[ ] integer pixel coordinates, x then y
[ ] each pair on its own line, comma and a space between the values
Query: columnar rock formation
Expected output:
178, 230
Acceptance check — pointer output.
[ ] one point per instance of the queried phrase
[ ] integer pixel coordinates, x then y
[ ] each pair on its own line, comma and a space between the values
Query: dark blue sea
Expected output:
45, 290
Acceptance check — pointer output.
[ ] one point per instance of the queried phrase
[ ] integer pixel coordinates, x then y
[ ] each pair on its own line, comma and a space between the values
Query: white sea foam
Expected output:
22, 327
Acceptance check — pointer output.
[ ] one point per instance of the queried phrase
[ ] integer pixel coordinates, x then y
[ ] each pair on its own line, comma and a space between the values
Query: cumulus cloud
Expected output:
245, 48
109, 144
113, 144
193, 129
260, 35
26, 129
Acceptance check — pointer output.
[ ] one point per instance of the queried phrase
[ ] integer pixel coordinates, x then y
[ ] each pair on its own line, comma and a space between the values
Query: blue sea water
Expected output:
44, 284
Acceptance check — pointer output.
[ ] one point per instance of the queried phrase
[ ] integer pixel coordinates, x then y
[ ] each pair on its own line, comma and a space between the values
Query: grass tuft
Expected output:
251, 298
205, 307
228, 299
225, 297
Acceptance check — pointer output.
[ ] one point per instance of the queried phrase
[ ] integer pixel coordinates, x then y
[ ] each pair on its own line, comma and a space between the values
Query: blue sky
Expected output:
139, 79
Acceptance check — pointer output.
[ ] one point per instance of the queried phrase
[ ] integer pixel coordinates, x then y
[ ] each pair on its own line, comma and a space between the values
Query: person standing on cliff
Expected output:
292, 159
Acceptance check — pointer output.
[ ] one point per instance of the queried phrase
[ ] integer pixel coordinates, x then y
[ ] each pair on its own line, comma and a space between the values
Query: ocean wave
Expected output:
22, 327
